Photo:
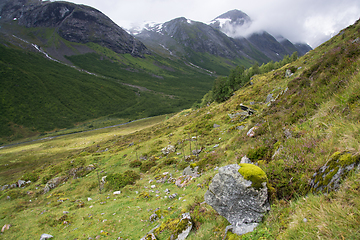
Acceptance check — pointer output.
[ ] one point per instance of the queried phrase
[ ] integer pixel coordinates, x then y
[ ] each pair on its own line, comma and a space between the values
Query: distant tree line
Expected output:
224, 87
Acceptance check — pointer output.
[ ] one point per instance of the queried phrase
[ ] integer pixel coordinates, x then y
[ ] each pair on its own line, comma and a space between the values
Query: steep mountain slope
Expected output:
299, 121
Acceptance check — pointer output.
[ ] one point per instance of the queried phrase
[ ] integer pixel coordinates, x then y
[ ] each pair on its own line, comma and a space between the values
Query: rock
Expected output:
288, 73
103, 179
53, 183
186, 225
183, 181
167, 191
153, 217
131, 144
251, 132
45, 236
328, 177
240, 127
117, 193
21, 183
196, 151
234, 115
89, 199
287, 133
5, 227
173, 196
269, 98
153, 186
167, 150
189, 171
216, 146
149, 236
247, 109
239, 193
245, 159
216, 125
14, 185
5, 187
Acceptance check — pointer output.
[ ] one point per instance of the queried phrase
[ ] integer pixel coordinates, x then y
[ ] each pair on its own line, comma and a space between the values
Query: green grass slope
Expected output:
314, 113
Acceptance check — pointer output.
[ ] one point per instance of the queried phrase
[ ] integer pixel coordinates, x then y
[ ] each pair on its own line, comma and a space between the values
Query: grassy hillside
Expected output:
39, 95
313, 114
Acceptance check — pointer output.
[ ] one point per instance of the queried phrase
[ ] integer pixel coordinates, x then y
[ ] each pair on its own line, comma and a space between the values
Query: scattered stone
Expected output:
269, 98
153, 217
173, 196
189, 171
245, 159
247, 109
240, 127
117, 193
234, 115
329, 176
186, 224
103, 179
167, 150
356, 40
287, 133
239, 193
53, 183
216, 146
131, 144
45, 236
5, 227
182, 181
196, 151
89, 199
149, 236
251, 132
5, 187
216, 125
153, 186
14, 185
21, 183
167, 191
288, 73
65, 212
305, 220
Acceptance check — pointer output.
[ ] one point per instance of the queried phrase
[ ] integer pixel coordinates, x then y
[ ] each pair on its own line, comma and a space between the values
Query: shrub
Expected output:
33, 177
258, 153
120, 180
135, 164
146, 165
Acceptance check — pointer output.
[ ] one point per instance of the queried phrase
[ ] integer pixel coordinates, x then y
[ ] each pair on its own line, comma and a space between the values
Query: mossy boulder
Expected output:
239, 193
328, 177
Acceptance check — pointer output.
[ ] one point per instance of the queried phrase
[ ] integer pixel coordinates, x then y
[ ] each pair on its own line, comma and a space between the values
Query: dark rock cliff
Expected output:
75, 23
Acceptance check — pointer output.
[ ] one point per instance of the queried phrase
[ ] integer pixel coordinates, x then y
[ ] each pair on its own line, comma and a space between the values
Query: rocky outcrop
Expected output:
239, 193
75, 23
328, 177
53, 183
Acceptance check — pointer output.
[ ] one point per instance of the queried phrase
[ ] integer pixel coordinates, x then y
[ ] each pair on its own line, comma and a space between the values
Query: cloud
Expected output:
310, 21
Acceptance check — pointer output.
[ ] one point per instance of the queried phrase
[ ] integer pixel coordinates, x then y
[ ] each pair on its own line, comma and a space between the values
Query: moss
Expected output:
254, 174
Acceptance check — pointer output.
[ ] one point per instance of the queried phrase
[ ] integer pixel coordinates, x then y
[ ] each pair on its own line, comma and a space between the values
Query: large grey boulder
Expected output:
241, 201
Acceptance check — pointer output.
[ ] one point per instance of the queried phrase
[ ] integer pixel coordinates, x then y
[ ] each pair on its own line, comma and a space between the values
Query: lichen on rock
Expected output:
328, 177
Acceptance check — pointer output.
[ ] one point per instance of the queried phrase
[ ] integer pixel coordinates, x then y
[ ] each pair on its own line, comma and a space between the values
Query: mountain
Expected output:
199, 42
298, 123
235, 23
74, 23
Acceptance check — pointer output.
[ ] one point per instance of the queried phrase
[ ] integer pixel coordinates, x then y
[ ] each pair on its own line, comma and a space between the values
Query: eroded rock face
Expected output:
75, 23
236, 198
329, 176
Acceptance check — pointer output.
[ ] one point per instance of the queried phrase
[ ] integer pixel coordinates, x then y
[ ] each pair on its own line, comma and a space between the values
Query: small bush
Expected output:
33, 177
146, 165
258, 153
135, 164
120, 180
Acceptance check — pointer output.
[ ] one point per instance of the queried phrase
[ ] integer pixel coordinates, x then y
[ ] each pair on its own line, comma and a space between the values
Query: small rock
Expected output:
89, 199
305, 220
216, 125
21, 183
216, 146
245, 159
45, 236
5, 227
65, 212
153, 186
251, 132
117, 193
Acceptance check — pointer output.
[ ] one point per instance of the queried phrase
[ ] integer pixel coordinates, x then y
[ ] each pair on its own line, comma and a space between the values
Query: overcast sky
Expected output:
309, 21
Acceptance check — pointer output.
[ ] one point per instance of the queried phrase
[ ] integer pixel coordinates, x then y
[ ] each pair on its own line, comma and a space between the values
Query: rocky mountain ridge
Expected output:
218, 38
74, 23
